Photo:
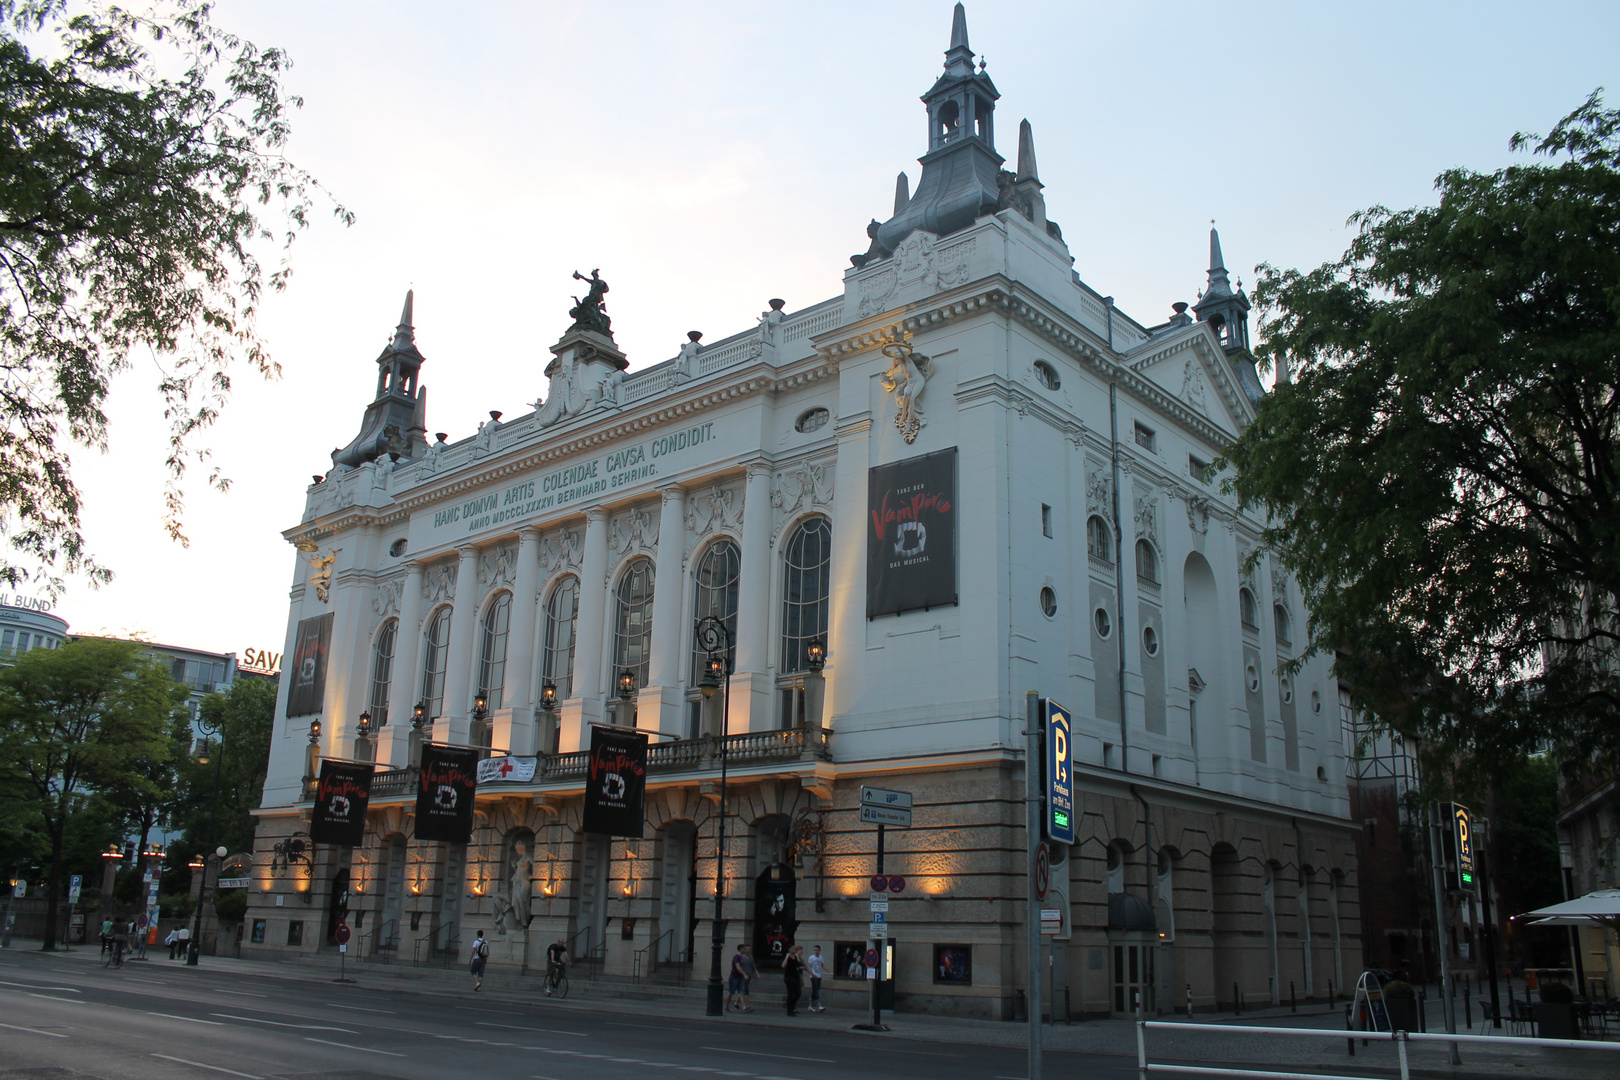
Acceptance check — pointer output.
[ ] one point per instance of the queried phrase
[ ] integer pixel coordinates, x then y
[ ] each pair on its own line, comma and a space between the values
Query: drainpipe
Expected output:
1161, 974
1119, 566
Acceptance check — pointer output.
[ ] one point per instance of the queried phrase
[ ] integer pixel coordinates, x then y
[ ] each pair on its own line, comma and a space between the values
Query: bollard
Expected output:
1292, 1005
1333, 998
1423, 1010
1349, 1007
1237, 1001
1468, 1008
1189, 1001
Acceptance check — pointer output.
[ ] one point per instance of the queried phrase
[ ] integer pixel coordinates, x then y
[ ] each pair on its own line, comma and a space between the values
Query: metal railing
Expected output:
650, 952
381, 938
590, 954
1399, 1038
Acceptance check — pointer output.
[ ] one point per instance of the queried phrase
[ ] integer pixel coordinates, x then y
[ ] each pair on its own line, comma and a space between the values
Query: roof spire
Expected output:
1218, 282
405, 332
902, 192
959, 57
1026, 153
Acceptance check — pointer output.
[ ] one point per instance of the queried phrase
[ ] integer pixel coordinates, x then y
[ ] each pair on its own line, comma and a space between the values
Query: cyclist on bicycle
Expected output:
556, 963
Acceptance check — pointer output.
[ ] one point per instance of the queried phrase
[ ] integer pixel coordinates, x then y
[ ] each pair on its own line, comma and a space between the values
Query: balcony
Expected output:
743, 752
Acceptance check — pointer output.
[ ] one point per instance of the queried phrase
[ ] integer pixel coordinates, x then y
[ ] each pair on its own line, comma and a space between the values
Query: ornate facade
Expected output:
1095, 562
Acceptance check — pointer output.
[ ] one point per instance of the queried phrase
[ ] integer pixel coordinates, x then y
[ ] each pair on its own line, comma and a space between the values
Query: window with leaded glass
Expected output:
806, 587
562, 618
716, 595
382, 671
492, 659
434, 661
632, 625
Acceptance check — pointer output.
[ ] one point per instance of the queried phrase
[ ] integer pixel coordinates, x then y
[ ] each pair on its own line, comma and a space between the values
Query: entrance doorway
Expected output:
1135, 988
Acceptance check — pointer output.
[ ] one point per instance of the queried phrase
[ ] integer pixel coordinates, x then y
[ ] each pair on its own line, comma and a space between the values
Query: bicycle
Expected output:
557, 982
112, 952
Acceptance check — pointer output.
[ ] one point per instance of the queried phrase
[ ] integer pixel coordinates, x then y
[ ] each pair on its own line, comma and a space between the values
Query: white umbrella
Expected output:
1598, 908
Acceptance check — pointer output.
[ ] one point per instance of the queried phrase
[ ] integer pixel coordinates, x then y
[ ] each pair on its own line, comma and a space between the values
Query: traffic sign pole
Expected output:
1032, 830
880, 944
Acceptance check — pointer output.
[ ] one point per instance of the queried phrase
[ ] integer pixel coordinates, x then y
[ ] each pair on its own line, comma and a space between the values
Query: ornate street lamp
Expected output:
419, 715
365, 725
548, 696
627, 684
315, 731
480, 709
815, 655
714, 638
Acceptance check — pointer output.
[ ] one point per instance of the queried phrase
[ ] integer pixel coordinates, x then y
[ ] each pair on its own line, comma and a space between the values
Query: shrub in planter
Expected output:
1400, 1004
1557, 993
1396, 990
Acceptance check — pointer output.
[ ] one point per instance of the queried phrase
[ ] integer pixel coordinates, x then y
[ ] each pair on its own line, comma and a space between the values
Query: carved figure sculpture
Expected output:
322, 564
513, 896
590, 313
907, 376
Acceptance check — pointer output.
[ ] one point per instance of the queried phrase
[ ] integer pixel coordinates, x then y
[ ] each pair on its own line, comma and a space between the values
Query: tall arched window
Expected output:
806, 587
1248, 610
632, 628
382, 672
433, 663
562, 617
492, 658
716, 595
1147, 563
1099, 541
1279, 616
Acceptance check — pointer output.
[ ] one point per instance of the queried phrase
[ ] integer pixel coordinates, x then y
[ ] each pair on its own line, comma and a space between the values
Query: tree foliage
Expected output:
215, 801
140, 175
1442, 473
75, 723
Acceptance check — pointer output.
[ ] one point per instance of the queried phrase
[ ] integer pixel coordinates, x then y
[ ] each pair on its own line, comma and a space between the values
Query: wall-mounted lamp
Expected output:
480, 709
365, 725
627, 684
548, 696
815, 655
314, 731
713, 672
419, 715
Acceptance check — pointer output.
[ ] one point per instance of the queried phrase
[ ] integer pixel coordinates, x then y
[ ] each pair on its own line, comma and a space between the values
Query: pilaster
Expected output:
751, 685
394, 739
585, 708
660, 704
453, 726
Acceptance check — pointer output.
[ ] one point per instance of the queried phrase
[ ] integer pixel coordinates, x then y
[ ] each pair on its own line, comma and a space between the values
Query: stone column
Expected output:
514, 721
659, 706
585, 707
453, 726
751, 684
405, 681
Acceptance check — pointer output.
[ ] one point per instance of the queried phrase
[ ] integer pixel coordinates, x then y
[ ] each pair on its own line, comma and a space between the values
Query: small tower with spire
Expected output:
1226, 311
959, 180
396, 421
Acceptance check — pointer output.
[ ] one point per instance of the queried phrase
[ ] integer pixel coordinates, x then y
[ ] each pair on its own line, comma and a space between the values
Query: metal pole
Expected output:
1489, 928
1032, 784
879, 947
1141, 1050
717, 999
1440, 927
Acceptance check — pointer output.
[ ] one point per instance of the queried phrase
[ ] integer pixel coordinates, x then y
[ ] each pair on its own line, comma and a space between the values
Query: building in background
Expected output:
27, 623
963, 476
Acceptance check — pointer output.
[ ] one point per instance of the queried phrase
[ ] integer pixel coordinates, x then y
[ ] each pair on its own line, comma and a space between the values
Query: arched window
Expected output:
716, 584
433, 663
806, 587
1099, 541
1147, 563
382, 672
1279, 616
1248, 610
632, 628
562, 617
492, 659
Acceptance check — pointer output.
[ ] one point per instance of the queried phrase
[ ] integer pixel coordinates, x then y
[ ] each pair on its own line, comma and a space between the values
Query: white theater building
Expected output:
536, 563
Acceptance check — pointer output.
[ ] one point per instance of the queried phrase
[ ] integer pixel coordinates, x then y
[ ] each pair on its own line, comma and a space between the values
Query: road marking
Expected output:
356, 1008
347, 1046
200, 1065
239, 993
783, 1057
38, 986
278, 1023
521, 1027
53, 997
191, 1019
34, 1031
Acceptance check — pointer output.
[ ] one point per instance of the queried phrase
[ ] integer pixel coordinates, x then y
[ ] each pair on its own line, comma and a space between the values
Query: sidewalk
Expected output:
1216, 1044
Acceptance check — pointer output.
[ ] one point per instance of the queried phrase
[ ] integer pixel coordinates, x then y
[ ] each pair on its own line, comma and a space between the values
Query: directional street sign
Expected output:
873, 796
872, 814
1059, 775
233, 883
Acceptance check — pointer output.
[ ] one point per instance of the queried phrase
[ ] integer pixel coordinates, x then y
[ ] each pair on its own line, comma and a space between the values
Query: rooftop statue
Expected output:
589, 313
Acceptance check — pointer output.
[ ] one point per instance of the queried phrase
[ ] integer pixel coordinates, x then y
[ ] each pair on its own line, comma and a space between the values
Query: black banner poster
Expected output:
911, 534
339, 816
309, 666
444, 793
616, 782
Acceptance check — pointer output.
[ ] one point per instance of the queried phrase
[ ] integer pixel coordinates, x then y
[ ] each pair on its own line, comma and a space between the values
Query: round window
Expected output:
1048, 601
1316, 702
1105, 625
1253, 678
1047, 374
397, 548
812, 420
1150, 641
1287, 692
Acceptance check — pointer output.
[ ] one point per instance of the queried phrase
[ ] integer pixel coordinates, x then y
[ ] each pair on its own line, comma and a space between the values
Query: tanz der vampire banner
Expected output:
309, 665
616, 782
340, 804
444, 793
911, 534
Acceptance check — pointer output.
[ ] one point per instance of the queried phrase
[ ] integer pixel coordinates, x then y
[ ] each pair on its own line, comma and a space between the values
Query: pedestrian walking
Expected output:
793, 977
184, 940
737, 983
817, 967
750, 973
172, 940
480, 956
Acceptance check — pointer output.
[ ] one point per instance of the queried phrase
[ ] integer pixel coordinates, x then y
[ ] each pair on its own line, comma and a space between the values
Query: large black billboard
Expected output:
444, 793
616, 782
911, 534
309, 665
341, 796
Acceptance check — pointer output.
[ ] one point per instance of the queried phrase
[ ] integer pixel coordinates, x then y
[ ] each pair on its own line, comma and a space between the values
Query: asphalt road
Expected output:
157, 1019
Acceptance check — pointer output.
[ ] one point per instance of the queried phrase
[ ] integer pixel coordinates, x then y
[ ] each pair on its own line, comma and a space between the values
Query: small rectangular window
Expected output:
1146, 438
1046, 520
295, 932
258, 931
1158, 766
6, 639
1197, 468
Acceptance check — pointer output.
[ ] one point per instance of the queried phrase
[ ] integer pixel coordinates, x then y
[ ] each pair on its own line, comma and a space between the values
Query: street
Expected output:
162, 1019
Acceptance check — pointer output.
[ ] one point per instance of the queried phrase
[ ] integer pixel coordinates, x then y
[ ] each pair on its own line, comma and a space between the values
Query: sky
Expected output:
710, 156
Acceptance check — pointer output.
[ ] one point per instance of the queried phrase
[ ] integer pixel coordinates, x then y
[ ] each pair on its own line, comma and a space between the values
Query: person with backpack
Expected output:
480, 956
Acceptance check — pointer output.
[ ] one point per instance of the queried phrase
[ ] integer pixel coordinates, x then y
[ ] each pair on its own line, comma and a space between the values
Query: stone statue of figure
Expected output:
519, 890
907, 375
589, 313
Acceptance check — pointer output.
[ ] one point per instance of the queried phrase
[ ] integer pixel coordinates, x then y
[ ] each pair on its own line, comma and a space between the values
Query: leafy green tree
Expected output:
72, 721
216, 798
1443, 473
140, 175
